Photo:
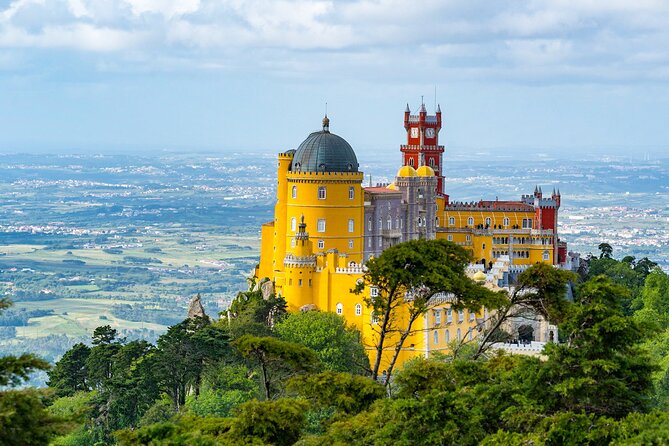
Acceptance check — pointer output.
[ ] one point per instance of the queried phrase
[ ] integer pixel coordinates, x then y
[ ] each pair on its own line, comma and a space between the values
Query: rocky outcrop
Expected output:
195, 308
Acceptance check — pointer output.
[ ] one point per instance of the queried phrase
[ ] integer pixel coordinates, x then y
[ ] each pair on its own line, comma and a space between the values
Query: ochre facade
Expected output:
327, 225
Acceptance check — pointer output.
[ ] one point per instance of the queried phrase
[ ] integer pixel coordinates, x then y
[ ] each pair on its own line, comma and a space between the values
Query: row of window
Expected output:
527, 222
321, 244
323, 193
430, 163
449, 316
340, 309
447, 336
320, 225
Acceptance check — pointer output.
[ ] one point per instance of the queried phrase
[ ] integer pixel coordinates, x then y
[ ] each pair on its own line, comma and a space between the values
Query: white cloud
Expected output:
536, 39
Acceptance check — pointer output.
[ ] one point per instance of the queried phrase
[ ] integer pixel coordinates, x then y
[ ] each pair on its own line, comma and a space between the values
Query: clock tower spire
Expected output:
422, 146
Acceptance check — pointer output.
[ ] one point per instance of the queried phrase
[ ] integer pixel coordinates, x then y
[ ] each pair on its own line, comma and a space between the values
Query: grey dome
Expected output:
324, 152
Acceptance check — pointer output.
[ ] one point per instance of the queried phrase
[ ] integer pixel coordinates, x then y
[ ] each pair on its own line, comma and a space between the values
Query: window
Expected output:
470, 221
351, 193
373, 291
447, 336
547, 256
472, 315
321, 193
350, 244
389, 224
351, 225
488, 222
470, 335
451, 221
397, 223
461, 315
483, 246
449, 316
321, 225
411, 162
437, 317
527, 223
369, 242
299, 282
294, 192
340, 309
369, 224
309, 282
375, 318
436, 337
321, 244
506, 221
358, 310
431, 162
450, 237
459, 334
293, 224
469, 238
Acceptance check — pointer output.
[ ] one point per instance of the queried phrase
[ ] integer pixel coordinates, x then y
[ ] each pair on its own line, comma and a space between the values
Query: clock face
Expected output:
429, 133
414, 132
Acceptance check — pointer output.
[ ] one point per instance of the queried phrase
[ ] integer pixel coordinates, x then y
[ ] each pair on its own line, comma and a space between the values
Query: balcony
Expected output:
391, 233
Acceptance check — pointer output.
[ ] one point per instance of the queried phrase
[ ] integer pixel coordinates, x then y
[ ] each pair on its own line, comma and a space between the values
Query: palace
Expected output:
327, 225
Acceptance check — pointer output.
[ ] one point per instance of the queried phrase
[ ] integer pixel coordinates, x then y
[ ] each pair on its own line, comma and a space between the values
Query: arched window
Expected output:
451, 221
431, 162
470, 221
322, 194
459, 334
369, 224
470, 335
358, 310
506, 221
340, 309
389, 223
351, 225
436, 336
411, 162
447, 336
294, 192
397, 223
488, 221
293, 224
547, 255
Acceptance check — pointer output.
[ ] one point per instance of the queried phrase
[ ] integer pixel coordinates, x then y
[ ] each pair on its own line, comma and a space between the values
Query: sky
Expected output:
520, 77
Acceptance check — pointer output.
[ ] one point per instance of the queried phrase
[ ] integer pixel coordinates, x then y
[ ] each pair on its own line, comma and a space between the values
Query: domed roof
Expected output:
324, 152
479, 276
425, 171
407, 171
392, 186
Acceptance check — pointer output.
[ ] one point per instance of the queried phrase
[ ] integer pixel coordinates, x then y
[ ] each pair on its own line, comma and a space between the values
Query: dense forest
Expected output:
261, 376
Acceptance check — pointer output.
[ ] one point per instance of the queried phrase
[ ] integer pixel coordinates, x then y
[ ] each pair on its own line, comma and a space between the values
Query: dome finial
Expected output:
326, 123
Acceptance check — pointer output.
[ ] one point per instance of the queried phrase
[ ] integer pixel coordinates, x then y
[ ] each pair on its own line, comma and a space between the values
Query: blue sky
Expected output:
561, 77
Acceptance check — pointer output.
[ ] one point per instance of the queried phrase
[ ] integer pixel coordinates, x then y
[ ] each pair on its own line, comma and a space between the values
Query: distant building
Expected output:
326, 225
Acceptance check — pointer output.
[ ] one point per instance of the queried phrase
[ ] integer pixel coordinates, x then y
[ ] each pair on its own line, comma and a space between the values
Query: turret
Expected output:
438, 117
407, 113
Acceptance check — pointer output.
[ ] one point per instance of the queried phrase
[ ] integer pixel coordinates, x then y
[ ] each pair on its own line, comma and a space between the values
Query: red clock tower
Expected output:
422, 147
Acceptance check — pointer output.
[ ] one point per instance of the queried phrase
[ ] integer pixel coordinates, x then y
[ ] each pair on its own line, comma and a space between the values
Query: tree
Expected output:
347, 393
70, 374
605, 251
251, 313
408, 276
182, 355
276, 358
601, 368
276, 422
24, 420
337, 346
540, 290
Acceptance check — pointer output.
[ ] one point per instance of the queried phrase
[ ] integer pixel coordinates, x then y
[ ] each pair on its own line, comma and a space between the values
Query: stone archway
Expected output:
525, 333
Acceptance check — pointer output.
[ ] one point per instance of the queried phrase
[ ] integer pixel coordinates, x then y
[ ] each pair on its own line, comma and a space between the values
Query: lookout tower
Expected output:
422, 147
